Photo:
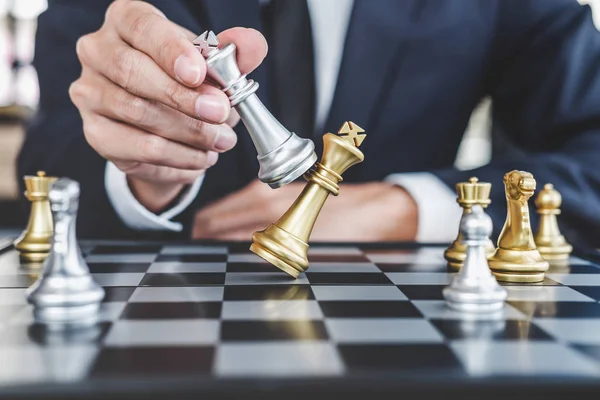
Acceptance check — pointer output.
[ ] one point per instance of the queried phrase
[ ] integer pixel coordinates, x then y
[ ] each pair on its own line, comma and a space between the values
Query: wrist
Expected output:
154, 196
403, 210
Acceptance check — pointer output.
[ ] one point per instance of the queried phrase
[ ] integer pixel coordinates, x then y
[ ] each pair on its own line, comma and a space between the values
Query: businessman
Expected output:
126, 111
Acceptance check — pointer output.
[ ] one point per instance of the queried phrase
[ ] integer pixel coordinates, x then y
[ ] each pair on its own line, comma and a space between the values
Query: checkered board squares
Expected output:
218, 310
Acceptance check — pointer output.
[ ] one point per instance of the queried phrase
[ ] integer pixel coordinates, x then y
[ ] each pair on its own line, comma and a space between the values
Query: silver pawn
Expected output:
282, 155
474, 289
65, 294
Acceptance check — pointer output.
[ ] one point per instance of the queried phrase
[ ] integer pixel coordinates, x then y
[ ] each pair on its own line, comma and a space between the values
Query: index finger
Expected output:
146, 29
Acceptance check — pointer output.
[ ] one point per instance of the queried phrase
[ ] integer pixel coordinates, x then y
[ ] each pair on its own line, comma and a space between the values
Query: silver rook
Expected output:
282, 155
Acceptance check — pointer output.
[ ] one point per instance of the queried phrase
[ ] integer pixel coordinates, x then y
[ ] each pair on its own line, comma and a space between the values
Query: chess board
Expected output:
216, 313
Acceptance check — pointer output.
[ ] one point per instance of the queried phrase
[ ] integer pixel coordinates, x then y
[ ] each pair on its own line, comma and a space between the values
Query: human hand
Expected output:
145, 104
374, 211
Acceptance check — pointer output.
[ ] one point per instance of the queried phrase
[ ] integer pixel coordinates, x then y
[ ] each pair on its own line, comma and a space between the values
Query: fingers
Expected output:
155, 173
135, 72
251, 47
101, 96
120, 142
143, 27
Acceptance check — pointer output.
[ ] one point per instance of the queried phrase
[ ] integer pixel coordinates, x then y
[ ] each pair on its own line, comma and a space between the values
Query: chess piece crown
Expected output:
34, 242
474, 288
468, 194
282, 155
65, 294
551, 244
285, 243
516, 258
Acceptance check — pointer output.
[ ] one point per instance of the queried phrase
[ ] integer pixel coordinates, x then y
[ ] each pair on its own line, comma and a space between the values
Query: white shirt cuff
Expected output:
439, 213
135, 215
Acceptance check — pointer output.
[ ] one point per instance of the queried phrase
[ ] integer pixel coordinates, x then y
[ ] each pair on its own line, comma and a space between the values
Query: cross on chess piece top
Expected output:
282, 155
65, 295
551, 244
474, 289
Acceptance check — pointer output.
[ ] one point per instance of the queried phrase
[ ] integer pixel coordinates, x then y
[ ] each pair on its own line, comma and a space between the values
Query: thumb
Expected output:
251, 46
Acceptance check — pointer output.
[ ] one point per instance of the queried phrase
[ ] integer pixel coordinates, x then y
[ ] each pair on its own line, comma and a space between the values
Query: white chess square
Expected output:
544, 293
576, 279
121, 258
279, 359
119, 279
177, 267
382, 330
485, 358
437, 309
271, 310
572, 330
180, 294
353, 293
343, 267
131, 333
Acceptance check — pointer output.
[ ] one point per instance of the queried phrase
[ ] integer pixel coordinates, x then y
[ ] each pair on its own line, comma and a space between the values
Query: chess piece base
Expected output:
282, 249
60, 318
518, 266
475, 296
555, 252
455, 254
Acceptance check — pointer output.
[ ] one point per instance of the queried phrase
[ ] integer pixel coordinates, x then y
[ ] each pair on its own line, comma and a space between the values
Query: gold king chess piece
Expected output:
468, 194
551, 244
516, 258
285, 243
34, 243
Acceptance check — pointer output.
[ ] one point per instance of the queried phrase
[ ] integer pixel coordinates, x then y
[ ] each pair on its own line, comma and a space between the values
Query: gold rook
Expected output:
285, 243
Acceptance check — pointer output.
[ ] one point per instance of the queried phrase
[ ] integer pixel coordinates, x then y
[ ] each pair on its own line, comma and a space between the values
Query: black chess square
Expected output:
239, 248
590, 291
38, 334
338, 258
500, 329
422, 292
559, 309
173, 310
431, 357
116, 293
161, 361
268, 292
273, 330
589, 350
191, 258
125, 249
183, 279
106, 268
411, 267
369, 309
336, 278
250, 267
583, 269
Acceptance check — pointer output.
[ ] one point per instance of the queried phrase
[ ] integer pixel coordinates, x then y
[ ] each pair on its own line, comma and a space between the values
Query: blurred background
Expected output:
19, 95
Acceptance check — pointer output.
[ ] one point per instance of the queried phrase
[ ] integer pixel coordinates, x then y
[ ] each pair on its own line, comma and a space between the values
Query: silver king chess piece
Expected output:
474, 289
65, 294
282, 155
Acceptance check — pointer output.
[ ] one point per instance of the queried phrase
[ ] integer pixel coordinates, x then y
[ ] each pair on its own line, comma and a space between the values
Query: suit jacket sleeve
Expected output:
543, 76
54, 139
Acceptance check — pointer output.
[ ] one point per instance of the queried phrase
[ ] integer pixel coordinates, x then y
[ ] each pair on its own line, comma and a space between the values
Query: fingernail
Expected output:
212, 158
226, 139
212, 108
186, 70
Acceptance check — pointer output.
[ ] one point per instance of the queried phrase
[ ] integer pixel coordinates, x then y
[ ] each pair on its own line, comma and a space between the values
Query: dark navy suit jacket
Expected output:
411, 74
